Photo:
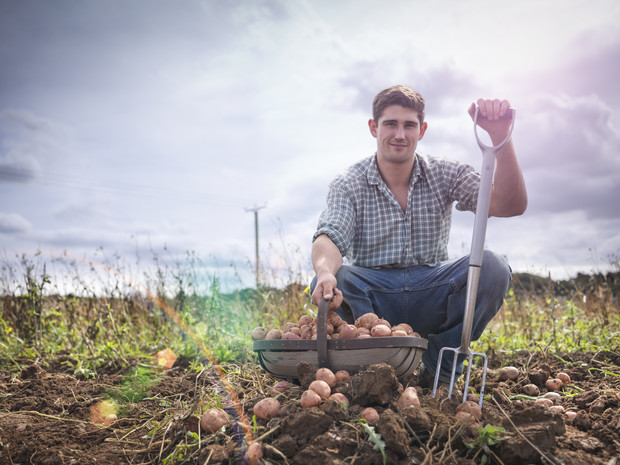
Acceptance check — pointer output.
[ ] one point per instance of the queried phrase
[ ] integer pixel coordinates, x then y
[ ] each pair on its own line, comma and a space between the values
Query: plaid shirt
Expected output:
368, 226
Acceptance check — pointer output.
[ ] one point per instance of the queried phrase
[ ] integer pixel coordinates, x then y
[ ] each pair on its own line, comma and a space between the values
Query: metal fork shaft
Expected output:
475, 263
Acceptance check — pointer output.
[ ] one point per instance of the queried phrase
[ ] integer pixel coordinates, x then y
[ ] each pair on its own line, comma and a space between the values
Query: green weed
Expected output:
376, 440
488, 437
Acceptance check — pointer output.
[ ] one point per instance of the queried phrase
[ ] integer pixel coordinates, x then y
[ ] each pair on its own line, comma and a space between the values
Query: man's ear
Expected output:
373, 127
422, 130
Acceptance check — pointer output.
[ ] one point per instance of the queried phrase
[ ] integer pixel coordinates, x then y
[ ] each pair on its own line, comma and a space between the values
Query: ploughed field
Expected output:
149, 415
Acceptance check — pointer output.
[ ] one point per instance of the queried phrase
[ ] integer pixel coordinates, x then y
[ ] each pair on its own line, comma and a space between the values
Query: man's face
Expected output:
397, 132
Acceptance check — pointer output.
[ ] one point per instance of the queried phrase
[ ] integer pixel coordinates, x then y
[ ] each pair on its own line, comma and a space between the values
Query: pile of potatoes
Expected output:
552, 384
367, 325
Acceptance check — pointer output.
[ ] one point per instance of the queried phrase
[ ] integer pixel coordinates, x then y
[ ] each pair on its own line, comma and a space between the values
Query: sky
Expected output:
150, 129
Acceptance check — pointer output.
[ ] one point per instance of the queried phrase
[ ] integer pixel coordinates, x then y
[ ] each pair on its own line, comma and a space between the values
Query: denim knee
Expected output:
495, 272
495, 277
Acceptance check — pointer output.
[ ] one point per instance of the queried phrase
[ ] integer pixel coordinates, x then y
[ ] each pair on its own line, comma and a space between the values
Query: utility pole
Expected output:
255, 209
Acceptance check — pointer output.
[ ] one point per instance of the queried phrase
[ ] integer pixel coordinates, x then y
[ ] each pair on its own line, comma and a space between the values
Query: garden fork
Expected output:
475, 262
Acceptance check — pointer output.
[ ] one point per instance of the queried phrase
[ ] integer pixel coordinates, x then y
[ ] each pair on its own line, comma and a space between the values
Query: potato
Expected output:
403, 327
325, 374
381, 321
472, 408
290, 336
305, 320
570, 415
366, 320
310, 399
508, 373
370, 415
274, 334
553, 384
342, 375
564, 377
364, 336
258, 333
465, 417
399, 333
288, 326
267, 408
380, 331
340, 398
282, 386
254, 453
329, 329
306, 331
409, 398
347, 332
554, 396
294, 330
213, 420
321, 388
557, 409
544, 401
334, 319
531, 390
360, 331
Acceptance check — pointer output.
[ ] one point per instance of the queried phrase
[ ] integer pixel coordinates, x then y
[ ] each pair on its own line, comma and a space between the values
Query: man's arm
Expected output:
326, 260
509, 195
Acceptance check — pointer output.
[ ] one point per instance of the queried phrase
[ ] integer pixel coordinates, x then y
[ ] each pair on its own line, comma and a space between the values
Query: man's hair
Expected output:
401, 95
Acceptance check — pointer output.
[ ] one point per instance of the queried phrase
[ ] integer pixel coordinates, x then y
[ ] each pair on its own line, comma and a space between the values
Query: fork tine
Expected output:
484, 376
453, 372
467, 376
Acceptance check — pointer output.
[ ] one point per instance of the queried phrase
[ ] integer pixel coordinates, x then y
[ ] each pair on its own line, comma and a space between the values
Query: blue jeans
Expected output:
429, 298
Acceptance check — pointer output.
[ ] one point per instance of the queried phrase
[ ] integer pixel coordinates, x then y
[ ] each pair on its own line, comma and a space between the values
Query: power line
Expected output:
114, 187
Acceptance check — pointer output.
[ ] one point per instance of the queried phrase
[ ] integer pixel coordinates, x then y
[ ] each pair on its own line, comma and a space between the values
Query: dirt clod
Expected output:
539, 377
374, 386
306, 373
417, 419
306, 424
392, 429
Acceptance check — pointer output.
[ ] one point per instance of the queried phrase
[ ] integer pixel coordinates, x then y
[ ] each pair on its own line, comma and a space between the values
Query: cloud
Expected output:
591, 67
13, 223
79, 213
562, 243
183, 116
568, 148
441, 85
18, 169
28, 143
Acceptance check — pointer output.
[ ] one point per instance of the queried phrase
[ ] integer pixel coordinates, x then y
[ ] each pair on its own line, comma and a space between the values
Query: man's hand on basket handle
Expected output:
326, 260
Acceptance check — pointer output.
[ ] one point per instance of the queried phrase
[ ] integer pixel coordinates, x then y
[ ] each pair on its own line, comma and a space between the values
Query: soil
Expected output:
48, 416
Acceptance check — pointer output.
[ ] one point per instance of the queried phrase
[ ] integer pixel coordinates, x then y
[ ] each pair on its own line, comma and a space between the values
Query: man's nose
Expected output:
400, 132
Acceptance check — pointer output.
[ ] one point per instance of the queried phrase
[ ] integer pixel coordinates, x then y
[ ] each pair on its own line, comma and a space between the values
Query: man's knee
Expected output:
495, 270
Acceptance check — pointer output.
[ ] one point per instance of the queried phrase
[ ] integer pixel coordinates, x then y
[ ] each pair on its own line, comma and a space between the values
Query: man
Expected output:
390, 216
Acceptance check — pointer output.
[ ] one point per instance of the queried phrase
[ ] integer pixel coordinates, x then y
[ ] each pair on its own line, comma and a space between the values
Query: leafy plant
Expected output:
376, 439
488, 437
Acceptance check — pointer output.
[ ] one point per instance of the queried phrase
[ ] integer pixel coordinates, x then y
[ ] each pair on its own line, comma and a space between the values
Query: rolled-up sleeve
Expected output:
465, 186
338, 220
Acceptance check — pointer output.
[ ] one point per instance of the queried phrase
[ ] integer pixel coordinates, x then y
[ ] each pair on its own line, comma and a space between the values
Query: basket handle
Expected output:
321, 326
